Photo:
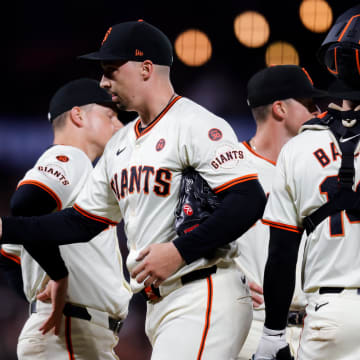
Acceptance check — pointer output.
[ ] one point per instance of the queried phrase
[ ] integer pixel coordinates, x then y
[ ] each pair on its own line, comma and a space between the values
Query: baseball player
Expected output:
316, 188
198, 305
83, 119
280, 98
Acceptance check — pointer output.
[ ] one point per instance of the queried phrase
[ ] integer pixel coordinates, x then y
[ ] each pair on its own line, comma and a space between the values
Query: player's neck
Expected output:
154, 104
76, 140
268, 141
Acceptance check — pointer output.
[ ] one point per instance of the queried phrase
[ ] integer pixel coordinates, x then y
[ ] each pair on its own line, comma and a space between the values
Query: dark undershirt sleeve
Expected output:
242, 205
279, 277
27, 200
30, 200
63, 227
41, 235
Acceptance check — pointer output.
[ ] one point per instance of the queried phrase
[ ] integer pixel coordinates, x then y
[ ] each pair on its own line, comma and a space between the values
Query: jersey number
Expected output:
329, 187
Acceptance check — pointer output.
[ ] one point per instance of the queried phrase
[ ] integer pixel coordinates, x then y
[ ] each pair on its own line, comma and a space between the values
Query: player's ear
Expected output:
76, 116
279, 110
147, 68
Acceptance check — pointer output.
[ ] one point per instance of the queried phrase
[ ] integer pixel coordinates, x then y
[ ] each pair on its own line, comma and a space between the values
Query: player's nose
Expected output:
105, 82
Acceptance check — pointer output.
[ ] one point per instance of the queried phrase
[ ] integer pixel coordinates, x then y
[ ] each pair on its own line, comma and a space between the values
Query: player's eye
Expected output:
109, 71
110, 67
309, 104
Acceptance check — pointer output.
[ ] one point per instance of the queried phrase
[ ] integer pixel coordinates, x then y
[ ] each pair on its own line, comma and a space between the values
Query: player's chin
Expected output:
121, 106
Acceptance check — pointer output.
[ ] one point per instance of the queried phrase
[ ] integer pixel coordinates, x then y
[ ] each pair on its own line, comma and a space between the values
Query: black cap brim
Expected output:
110, 104
316, 93
98, 56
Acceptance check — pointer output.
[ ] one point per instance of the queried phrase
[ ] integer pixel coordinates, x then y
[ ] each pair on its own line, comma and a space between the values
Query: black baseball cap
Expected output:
78, 92
281, 82
136, 41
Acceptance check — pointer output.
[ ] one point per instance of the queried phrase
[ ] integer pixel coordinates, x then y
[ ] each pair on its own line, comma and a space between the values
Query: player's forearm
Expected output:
42, 235
60, 228
240, 208
279, 277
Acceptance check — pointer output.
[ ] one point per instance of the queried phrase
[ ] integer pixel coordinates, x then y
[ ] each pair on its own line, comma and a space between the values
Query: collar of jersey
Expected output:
139, 133
248, 146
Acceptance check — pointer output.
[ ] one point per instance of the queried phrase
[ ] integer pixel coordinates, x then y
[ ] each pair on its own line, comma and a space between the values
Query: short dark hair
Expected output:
261, 112
59, 122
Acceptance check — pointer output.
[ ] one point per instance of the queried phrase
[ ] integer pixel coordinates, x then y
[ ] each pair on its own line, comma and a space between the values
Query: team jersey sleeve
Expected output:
96, 200
12, 252
59, 172
280, 211
10, 264
210, 145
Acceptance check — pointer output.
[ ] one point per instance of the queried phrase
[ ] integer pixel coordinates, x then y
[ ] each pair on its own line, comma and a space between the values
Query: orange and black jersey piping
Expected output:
139, 131
282, 226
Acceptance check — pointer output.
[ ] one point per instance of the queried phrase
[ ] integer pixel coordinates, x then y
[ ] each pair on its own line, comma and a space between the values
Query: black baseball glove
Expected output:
196, 202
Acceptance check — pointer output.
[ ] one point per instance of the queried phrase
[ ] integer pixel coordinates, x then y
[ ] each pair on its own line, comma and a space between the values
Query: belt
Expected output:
296, 318
335, 290
102, 318
152, 294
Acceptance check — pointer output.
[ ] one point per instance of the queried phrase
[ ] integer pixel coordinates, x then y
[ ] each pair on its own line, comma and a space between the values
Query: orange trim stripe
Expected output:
45, 188
345, 28
256, 154
234, 182
207, 317
307, 74
357, 61
282, 226
336, 69
93, 217
11, 256
69, 346
147, 129
320, 116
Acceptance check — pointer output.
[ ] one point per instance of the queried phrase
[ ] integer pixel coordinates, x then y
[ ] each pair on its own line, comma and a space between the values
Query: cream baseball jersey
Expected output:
306, 176
95, 268
138, 177
253, 245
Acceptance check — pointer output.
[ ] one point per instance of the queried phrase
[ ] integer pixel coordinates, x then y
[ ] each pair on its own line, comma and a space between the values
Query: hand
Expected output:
45, 295
256, 290
158, 262
55, 291
273, 346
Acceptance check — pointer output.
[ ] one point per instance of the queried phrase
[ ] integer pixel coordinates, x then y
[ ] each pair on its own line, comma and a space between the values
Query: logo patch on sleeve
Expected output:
62, 158
160, 144
215, 134
226, 157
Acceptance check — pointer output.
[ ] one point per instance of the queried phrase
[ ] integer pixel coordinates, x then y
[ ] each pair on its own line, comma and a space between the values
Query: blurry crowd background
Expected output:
217, 49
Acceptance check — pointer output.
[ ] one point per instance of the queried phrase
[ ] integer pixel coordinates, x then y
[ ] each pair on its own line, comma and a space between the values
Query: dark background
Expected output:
50, 35
39, 47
